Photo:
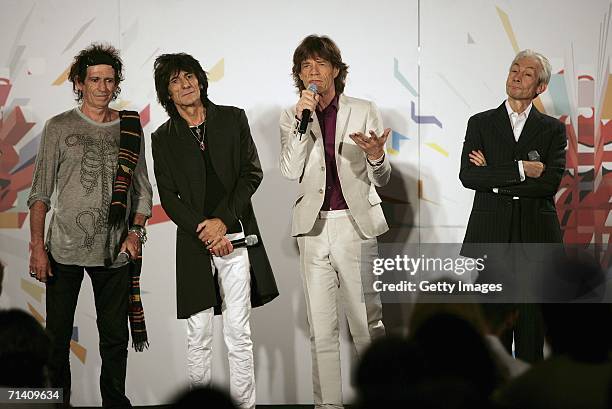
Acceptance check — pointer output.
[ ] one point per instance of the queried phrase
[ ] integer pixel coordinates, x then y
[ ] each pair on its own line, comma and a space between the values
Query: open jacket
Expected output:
304, 159
181, 180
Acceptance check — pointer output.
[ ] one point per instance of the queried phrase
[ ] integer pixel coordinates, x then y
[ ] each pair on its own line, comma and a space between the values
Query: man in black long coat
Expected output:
207, 169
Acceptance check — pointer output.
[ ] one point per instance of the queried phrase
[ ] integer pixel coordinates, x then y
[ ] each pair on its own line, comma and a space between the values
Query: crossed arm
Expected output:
542, 177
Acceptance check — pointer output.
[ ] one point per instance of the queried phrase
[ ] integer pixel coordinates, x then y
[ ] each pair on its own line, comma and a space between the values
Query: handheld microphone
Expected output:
124, 257
247, 241
533, 156
306, 113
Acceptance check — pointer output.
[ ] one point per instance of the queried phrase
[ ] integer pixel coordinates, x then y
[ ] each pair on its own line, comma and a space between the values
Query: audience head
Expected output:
574, 276
203, 397
386, 370
499, 317
581, 331
454, 350
424, 310
24, 350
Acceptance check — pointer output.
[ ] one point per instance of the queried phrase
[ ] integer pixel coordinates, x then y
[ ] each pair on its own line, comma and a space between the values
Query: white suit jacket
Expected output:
305, 160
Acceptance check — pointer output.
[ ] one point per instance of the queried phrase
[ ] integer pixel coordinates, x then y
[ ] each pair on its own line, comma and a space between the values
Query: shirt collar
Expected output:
511, 112
333, 103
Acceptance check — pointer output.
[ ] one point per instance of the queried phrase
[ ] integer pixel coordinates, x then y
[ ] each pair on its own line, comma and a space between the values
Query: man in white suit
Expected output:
337, 215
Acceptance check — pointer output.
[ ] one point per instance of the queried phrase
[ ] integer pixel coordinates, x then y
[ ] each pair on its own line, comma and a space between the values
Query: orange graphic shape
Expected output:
78, 350
32, 289
421, 191
12, 220
217, 72
62, 77
36, 314
505, 20
606, 112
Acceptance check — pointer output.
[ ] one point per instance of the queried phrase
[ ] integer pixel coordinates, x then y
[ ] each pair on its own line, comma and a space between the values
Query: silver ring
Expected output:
208, 242
32, 274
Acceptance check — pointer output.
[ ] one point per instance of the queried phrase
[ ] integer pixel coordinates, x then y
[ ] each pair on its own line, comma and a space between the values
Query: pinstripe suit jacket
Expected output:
491, 217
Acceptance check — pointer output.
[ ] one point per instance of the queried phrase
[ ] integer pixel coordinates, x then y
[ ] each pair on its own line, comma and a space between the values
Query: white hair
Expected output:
546, 69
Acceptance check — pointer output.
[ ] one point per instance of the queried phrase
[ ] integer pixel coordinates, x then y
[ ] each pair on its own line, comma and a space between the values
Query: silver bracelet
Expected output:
139, 231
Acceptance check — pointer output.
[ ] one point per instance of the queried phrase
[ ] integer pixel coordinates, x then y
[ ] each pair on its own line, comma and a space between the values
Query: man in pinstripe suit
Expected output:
513, 158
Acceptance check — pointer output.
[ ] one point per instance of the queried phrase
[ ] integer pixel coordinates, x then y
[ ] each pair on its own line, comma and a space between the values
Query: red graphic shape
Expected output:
5, 89
145, 116
14, 127
158, 215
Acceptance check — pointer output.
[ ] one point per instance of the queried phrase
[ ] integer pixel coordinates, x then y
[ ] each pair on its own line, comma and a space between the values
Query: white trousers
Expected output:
235, 285
331, 259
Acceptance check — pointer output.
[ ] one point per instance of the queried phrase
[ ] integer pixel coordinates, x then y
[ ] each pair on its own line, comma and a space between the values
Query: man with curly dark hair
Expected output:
92, 156
207, 169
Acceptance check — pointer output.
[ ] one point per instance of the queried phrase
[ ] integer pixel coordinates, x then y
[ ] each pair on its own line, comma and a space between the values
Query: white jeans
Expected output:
331, 259
235, 285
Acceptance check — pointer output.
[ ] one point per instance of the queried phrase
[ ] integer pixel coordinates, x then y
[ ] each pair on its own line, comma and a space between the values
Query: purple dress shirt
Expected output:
334, 200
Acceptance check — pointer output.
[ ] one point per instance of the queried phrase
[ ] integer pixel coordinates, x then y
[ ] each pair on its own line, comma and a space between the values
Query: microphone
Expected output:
247, 241
124, 257
306, 113
533, 156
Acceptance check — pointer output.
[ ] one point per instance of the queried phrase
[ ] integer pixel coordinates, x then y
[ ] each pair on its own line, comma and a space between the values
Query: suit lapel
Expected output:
503, 125
317, 135
530, 130
342, 118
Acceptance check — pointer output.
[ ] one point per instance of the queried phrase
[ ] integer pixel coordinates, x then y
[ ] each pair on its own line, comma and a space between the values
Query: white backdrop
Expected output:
428, 65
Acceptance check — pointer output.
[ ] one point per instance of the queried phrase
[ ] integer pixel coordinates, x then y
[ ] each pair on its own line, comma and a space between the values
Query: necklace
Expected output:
199, 135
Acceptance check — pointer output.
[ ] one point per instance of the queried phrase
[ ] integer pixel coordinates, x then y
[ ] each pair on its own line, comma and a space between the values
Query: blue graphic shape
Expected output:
27, 154
396, 137
402, 80
423, 119
558, 94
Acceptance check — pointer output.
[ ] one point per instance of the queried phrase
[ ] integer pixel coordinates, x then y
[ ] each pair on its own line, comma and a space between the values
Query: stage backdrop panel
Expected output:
428, 66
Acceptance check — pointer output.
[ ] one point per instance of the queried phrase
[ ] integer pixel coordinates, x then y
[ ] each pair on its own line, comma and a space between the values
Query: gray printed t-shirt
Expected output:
77, 158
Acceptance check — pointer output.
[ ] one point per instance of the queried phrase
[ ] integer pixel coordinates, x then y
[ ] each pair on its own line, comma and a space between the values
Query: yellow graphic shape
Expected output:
62, 77
217, 72
34, 290
120, 104
392, 151
36, 314
510, 33
607, 105
538, 104
437, 148
78, 350
508, 27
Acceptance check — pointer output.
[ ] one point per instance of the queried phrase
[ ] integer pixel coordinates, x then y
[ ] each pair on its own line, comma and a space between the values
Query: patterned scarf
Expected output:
129, 151
138, 328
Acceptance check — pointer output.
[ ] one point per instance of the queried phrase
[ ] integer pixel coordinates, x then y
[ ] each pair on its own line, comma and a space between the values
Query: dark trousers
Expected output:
528, 334
110, 287
528, 330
